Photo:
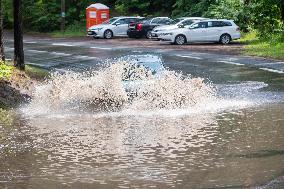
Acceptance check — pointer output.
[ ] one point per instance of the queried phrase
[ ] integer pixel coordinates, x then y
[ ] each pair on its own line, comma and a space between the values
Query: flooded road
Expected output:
234, 140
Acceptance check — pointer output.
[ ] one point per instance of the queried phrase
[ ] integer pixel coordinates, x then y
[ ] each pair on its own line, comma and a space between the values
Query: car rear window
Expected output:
145, 21
134, 20
187, 22
166, 21
177, 20
219, 23
226, 23
202, 25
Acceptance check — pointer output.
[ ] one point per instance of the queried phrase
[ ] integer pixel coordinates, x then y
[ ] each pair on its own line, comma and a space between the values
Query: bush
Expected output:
5, 71
76, 29
267, 47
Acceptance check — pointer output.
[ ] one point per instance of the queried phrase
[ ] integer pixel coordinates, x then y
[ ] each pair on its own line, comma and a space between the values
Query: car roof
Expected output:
150, 18
161, 17
217, 20
117, 17
153, 62
197, 18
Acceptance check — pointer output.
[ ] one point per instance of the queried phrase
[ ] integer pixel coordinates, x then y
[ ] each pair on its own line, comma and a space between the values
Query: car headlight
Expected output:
97, 29
167, 33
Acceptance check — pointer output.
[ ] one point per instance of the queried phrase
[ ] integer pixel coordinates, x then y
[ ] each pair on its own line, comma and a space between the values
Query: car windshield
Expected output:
110, 21
144, 20
135, 72
175, 21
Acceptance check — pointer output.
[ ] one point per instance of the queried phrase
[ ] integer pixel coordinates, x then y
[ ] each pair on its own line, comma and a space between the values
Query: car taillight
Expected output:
139, 27
238, 29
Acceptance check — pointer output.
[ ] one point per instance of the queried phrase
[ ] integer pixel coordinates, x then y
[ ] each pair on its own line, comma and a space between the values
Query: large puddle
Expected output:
105, 129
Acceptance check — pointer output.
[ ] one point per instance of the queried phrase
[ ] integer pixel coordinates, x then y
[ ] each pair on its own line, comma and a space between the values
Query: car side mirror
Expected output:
117, 24
181, 26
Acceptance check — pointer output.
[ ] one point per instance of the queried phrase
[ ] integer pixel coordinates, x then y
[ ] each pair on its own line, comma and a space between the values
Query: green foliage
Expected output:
144, 7
5, 71
191, 7
45, 15
266, 16
262, 15
268, 47
230, 9
36, 72
75, 30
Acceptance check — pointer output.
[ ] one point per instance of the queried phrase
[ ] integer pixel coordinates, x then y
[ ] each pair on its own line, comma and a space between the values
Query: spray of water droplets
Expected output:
120, 86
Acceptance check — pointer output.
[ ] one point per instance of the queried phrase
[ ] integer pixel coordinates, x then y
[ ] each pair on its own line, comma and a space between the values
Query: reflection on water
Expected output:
238, 149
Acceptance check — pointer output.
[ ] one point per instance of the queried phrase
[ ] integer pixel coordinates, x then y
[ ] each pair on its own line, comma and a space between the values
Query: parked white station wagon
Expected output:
211, 30
116, 26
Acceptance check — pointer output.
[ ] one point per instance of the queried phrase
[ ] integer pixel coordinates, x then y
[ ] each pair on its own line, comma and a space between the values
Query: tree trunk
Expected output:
18, 35
2, 54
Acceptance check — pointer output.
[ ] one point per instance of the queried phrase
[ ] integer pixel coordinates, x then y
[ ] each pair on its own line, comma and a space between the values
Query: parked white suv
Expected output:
116, 26
211, 30
176, 23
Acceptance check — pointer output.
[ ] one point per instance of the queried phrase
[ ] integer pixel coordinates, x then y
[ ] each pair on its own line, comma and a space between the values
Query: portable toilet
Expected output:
96, 14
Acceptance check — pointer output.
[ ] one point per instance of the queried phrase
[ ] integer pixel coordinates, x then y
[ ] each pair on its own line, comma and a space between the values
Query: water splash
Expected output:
118, 87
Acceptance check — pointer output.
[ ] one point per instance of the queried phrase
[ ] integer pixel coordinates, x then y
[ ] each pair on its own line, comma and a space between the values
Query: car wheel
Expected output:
148, 35
180, 40
108, 34
225, 39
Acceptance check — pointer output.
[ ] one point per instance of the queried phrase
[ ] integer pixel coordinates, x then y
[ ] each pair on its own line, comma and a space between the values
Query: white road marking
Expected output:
102, 48
272, 70
195, 53
30, 42
85, 57
62, 44
60, 54
8, 49
229, 62
36, 51
269, 63
192, 57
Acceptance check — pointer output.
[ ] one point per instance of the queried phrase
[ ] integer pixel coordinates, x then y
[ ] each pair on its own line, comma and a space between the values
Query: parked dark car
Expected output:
143, 27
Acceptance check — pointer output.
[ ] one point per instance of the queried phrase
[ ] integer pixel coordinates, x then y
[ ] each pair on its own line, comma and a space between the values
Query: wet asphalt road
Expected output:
60, 53
242, 134
86, 53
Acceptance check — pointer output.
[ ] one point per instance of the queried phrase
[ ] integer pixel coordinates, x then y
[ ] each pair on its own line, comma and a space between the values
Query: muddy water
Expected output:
234, 140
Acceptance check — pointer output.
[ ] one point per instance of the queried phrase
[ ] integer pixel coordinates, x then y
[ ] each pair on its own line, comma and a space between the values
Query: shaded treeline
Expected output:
44, 15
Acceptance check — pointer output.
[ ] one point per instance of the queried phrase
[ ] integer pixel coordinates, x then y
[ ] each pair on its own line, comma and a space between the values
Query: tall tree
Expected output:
2, 54
18, 35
